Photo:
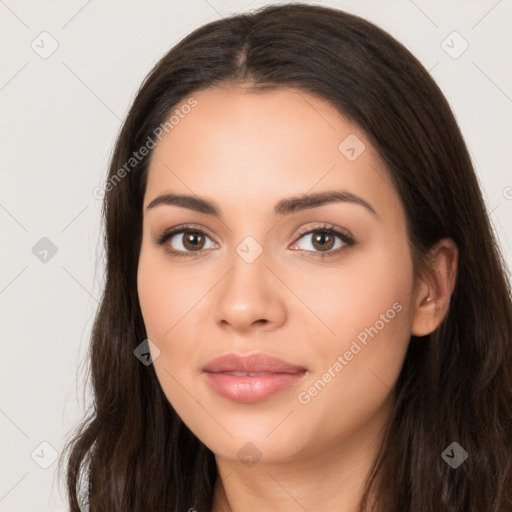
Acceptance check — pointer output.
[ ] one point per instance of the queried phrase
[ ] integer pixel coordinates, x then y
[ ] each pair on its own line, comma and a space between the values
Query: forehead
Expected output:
237, 145
230, 116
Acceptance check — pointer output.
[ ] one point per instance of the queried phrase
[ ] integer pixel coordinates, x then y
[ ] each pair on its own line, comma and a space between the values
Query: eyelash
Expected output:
348, 241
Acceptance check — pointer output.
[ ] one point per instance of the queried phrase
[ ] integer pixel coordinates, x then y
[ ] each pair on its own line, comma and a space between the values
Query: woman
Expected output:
305, 306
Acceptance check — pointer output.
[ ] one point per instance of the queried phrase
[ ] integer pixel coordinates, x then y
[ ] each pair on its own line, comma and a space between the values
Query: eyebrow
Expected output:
283, 207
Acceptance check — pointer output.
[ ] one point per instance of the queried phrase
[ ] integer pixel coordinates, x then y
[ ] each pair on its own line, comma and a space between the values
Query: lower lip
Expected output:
250, 390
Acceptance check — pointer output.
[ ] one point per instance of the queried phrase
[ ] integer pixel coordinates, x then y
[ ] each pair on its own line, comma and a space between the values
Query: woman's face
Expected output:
264, 275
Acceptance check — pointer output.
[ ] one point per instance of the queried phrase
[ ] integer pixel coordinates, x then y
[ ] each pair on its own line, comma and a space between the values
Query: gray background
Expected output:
60, 116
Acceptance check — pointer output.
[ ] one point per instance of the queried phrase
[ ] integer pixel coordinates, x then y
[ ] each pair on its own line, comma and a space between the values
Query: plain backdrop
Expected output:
69, 71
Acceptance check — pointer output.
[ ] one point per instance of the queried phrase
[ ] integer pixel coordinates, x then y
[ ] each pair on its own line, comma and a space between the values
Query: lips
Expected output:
252, 363
251, 378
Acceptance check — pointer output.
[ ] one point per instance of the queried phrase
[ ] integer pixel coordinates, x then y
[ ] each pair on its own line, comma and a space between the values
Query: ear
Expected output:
434, 290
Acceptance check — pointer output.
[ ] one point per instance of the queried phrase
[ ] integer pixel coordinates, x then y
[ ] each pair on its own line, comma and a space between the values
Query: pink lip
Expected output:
266, 375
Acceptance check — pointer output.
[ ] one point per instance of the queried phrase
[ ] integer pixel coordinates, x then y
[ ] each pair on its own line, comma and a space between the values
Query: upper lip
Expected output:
250, 363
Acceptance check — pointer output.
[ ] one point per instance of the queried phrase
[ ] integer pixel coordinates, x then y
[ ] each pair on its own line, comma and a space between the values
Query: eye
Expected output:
322, 241
185, 241
189, 240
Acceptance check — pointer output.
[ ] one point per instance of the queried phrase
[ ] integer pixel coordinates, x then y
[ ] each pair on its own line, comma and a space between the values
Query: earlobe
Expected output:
435, 289
425, 317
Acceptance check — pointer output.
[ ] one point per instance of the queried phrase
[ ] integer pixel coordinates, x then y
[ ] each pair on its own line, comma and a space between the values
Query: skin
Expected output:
245, 152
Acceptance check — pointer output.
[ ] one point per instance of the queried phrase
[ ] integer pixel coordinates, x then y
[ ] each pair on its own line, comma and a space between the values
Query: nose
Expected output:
250, 296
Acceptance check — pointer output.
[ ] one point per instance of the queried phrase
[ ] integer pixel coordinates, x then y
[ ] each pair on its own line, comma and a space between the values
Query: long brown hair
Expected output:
133, 453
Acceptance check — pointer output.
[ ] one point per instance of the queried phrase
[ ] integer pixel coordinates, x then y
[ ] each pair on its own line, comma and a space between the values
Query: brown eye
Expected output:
323, 241
193, 240
183, 241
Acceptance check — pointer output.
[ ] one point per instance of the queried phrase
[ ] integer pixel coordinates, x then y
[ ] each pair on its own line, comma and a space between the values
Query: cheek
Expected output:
366, 305
352, 297
169, 300
165, 292
355, 371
